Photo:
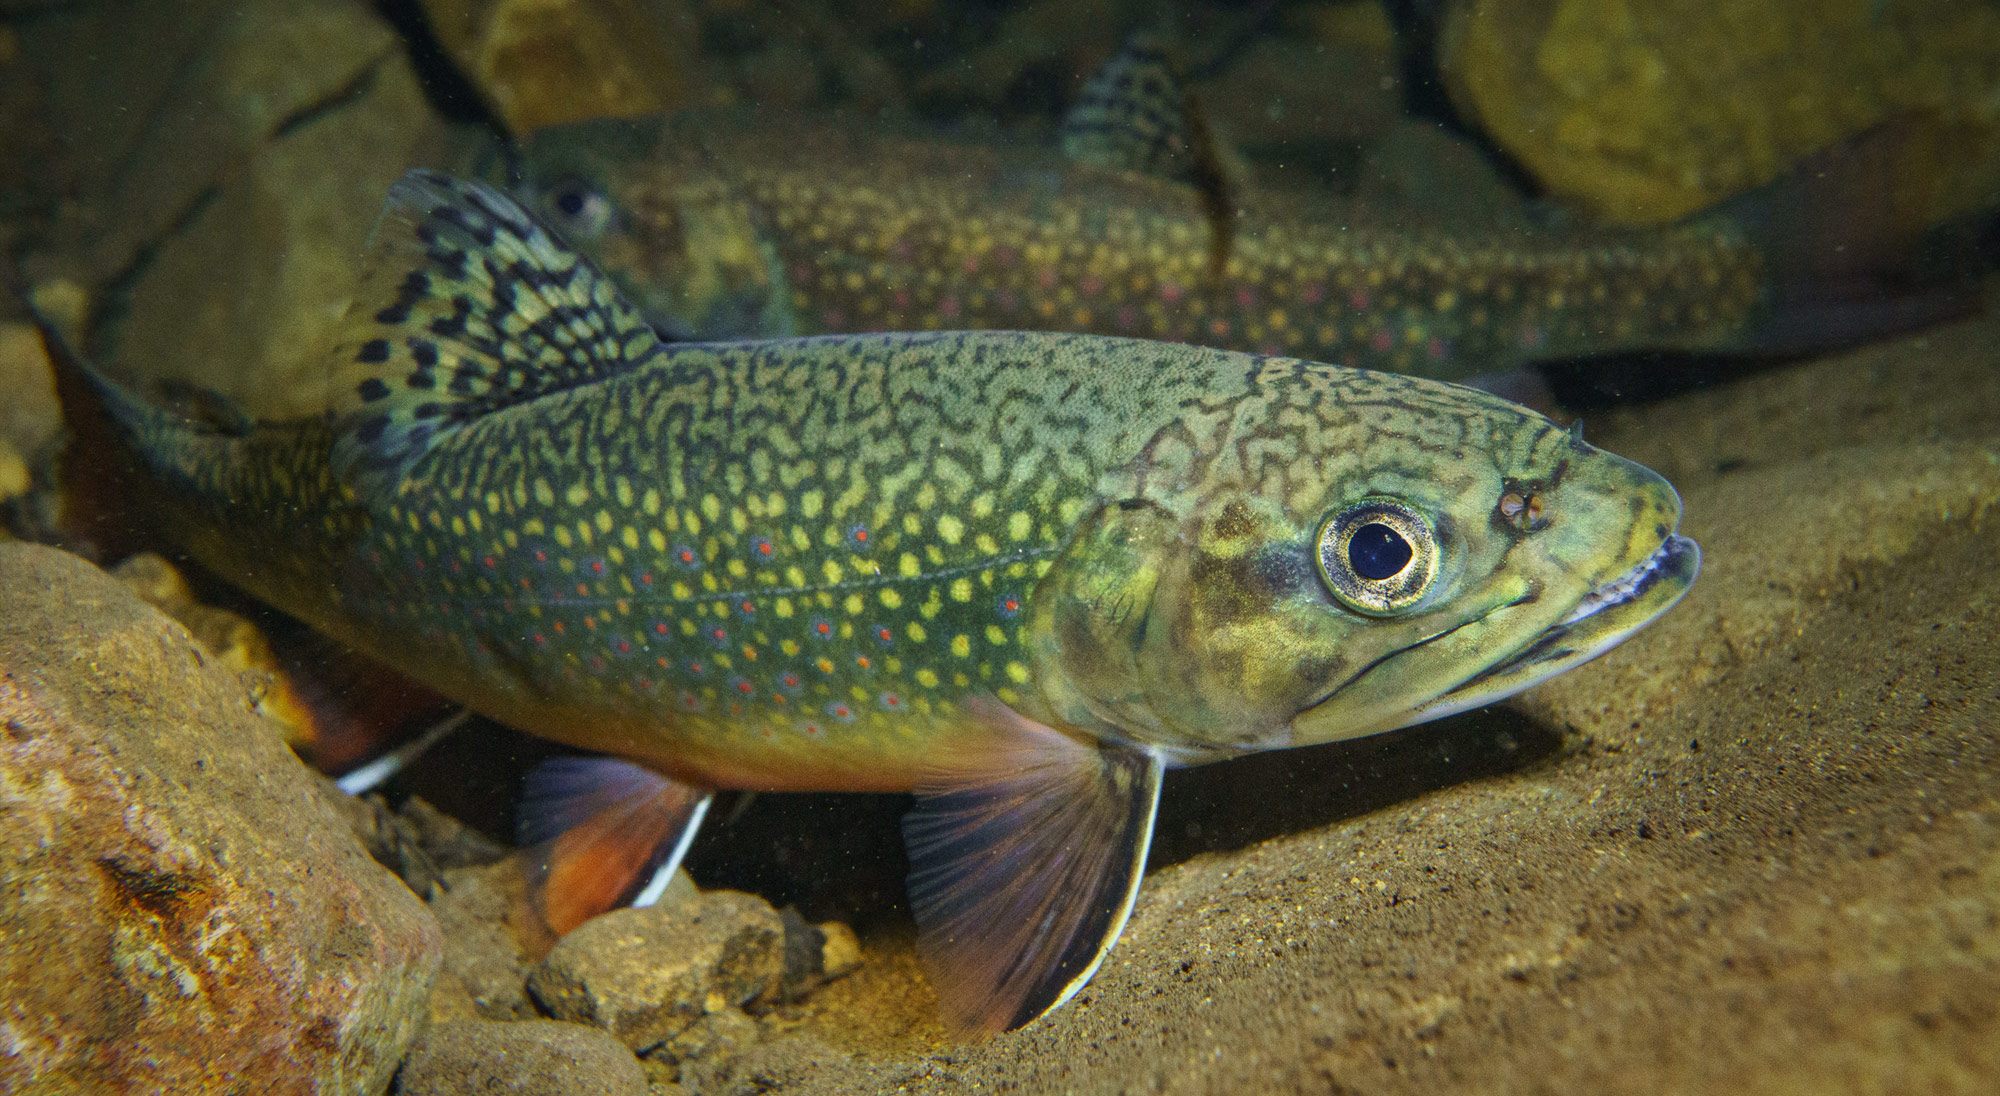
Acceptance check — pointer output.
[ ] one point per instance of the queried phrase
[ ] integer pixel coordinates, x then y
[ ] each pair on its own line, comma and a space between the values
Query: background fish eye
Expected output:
1378, 556
579, 206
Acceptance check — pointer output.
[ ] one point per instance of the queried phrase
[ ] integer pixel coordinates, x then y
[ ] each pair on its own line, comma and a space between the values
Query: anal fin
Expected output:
1025, 860
602, 833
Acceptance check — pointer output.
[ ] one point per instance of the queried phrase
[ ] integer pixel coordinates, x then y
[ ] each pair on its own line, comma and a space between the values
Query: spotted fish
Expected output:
1019, 573
1139, 227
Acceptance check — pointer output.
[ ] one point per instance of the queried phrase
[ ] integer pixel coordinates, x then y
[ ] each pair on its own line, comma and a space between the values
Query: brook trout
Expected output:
1019, 573
1135, 227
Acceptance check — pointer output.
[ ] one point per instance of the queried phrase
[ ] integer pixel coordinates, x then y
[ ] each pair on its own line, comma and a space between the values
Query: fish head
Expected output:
1356, 560
641, 200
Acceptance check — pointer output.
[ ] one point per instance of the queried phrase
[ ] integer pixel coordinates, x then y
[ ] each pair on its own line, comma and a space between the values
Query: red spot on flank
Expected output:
559, 628
1314, 293
624, 646
948, 308
541, 556
582, 590
540, 638
1013, 605
1046, 277
660, 628
971, 264
1170, 293
1435, 348
418, 564
902, 299
1382, 341
745, 688
525, 584
862, 661
645, 580
823, 628
1218, 327
687, 555
1245, 296
1090, 285
884, 634
1128, 317
490, 562
597, 566
1358, 299
748, 608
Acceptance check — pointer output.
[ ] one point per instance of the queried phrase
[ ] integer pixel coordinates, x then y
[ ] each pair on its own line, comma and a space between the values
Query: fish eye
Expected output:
1378, 556
578, 206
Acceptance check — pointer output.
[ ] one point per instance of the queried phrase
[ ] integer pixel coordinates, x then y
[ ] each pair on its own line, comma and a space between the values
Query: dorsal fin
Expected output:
1137, 115
467, 306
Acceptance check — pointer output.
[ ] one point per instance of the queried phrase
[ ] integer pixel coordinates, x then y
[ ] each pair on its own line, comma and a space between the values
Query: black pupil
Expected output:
1377, 552
570, 202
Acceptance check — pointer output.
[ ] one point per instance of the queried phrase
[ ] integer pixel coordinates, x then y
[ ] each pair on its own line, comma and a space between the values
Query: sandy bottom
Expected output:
1755, 849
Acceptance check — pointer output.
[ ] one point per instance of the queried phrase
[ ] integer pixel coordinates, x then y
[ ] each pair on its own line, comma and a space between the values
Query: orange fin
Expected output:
1025, 859
602, 833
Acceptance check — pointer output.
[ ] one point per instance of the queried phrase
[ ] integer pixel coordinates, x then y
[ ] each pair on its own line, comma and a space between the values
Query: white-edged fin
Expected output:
1025, 859
373, 774
602, 832
466, 306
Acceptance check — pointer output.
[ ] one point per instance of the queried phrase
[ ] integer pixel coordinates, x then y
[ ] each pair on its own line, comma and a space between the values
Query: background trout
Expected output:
1019, 573
1140, 226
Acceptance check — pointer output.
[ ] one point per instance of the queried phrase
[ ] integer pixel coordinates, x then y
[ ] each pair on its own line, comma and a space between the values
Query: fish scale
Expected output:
1017, 573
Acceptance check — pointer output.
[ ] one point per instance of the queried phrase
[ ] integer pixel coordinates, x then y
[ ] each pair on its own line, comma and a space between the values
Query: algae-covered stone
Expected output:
547, 62
1646, 112
180, 908
646, 975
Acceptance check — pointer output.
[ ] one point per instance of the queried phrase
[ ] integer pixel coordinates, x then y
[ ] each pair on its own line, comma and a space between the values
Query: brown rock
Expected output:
212, 916
645, 975
527, 1058
546, 62
1646, 112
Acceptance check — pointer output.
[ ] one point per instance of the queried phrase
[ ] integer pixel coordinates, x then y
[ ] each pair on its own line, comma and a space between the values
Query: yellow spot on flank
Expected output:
577, 495
562, 536
910, 565
961, 645
650, 502
1020, 525
811, 501
604, 521
790, 647
832, 571
493, 502
738, 519
657, 539
891, 598
950, 529
738, 569
854, 605
457, 526
630, 536
682, 591
927, 679
961, 589
544, 494
917, 633
783, 607
995, 636
1006, 695
1018, 672
986, 544
711, 507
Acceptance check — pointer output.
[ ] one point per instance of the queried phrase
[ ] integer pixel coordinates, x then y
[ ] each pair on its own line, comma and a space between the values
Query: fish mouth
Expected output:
1604, 618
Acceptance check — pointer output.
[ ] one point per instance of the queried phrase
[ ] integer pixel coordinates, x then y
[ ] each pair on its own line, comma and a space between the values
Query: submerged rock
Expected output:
648, 975
1647, 112
541, 63
527, 1058
180, 908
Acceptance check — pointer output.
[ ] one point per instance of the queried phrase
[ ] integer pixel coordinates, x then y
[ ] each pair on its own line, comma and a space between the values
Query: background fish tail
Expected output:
1845, 258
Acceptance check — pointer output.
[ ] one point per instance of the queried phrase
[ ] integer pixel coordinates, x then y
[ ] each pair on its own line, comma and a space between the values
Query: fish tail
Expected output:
1842, 249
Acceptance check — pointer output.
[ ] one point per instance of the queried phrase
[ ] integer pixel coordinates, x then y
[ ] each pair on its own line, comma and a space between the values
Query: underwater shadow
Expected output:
841, 856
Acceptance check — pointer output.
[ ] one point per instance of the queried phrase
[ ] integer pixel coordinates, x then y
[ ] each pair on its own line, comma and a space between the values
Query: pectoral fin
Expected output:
603, 833
1025, 859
